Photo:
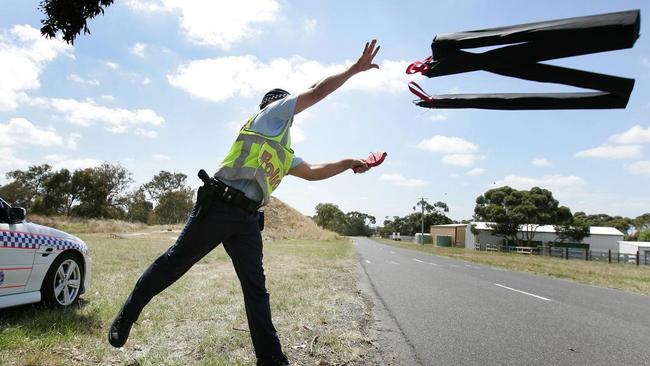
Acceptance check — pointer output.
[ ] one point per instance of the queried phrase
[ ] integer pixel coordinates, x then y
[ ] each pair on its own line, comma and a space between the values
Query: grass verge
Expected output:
627, 277
200, 320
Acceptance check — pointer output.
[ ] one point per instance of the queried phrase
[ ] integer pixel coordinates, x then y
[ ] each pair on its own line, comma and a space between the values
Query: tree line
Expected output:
513, 214
434, 214
354, 223
99, 192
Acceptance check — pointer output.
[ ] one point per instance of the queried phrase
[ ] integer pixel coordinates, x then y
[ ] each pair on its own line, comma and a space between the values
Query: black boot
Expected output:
119, 331
279, 360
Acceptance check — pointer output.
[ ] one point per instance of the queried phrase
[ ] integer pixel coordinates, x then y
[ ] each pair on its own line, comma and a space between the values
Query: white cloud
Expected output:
19, 131
551, 182
475, 172
309, 25
150, 134
55, 158
111, 65
78, 79
458, 151
612, 152
639, 168
400, 180
108, 97
75, 164
146, 81
541, 162
138, 49
72, 140
463, 160
215, 23
219, 79
635, 135
87, 112
24, 53
117, 129
160, 157
297, 131
448, 145
8, 161
438, 117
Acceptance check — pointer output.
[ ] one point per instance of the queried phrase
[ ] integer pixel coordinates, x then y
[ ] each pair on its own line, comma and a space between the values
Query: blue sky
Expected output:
163, 84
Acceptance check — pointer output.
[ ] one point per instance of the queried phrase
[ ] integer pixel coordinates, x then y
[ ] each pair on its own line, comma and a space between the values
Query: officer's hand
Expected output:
358, 166
365, 61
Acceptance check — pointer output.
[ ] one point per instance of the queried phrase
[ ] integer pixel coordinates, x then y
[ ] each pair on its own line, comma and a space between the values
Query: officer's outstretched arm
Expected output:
326, 86
308, 171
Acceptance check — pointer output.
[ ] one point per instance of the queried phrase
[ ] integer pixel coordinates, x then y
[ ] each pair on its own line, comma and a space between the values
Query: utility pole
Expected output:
422, 202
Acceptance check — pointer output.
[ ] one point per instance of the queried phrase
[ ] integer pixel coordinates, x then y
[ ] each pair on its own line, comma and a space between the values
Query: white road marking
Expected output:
391, 252
391, 262
523, 292
367, 261
419, 261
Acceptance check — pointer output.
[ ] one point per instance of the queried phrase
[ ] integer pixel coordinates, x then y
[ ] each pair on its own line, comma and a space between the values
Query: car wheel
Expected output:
62, 284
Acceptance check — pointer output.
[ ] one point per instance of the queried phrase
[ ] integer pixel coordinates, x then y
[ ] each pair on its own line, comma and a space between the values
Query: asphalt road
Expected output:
457, 313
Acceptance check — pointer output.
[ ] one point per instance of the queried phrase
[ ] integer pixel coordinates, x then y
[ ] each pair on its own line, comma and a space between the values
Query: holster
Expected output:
205, 195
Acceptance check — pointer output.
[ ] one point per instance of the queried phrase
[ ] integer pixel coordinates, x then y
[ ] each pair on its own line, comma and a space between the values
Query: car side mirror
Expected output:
17, 214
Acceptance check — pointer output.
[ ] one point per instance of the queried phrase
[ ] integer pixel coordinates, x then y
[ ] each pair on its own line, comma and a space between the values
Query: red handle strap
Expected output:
419, 66
373, 160
417, 90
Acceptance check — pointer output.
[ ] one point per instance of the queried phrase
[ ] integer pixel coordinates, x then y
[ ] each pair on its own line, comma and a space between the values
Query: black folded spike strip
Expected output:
525, 46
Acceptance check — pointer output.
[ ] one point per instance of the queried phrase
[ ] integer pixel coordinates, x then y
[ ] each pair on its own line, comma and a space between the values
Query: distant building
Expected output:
631, 247
450, 235
461, 236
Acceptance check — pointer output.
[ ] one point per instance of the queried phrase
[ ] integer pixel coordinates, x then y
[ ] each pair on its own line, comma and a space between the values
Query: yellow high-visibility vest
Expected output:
254, 156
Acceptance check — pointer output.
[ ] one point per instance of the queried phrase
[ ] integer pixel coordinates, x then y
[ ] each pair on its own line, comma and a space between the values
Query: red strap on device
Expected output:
417, 90
373, 160
419, 66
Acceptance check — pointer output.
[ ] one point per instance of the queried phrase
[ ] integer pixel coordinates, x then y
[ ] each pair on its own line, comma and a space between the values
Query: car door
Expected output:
17, 251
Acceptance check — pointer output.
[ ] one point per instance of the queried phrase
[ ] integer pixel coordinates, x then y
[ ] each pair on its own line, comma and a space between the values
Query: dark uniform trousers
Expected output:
239, 232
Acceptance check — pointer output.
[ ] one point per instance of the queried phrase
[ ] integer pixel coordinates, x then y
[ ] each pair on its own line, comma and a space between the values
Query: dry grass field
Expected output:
627, 277
320, 315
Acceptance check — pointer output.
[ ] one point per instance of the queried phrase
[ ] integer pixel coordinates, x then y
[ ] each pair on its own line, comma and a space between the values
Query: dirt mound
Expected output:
76, 225
285, 222
282, 222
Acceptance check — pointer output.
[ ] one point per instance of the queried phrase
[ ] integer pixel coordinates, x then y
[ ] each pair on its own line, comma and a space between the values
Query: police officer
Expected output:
227, 210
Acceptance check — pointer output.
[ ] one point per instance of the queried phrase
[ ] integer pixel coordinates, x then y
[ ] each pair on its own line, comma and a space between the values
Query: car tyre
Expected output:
63, 281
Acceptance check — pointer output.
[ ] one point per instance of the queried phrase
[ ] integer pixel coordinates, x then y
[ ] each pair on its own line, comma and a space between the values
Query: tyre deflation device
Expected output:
523, 48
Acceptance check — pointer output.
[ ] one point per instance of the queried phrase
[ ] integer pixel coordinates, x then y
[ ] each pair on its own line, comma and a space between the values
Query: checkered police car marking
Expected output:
20, 240
2, 277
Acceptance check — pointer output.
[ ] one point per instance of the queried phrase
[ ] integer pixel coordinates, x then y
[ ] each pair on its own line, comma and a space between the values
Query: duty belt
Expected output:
216, 189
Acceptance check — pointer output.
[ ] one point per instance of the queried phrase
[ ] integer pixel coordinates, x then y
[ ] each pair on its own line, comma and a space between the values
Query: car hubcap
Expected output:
67, 282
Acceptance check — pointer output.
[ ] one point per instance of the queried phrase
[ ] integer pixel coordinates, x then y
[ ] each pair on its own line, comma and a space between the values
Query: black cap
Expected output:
272, 96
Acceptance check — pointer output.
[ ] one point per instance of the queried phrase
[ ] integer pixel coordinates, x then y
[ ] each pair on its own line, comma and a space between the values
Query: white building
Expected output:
601, 238
631, 247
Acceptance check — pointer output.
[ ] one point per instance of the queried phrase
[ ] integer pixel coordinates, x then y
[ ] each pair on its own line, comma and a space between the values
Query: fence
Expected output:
640, 258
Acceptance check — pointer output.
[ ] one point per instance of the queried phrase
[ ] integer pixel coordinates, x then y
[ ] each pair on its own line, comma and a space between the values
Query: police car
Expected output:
39, 263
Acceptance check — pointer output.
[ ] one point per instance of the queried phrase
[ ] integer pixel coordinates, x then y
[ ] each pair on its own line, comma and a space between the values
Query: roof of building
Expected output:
449, 225
593, 230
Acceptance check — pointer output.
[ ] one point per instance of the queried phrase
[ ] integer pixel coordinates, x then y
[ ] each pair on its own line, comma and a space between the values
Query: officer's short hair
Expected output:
273, 95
